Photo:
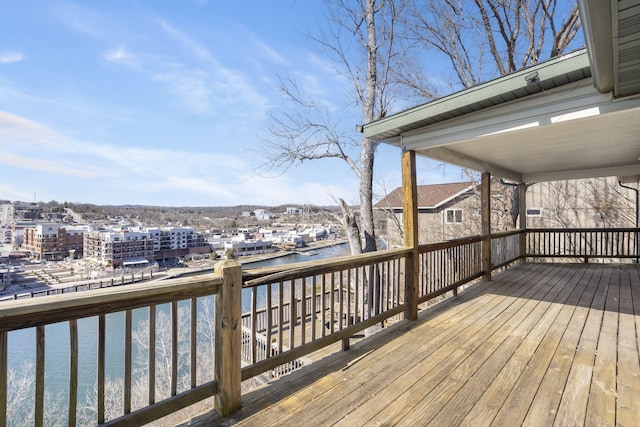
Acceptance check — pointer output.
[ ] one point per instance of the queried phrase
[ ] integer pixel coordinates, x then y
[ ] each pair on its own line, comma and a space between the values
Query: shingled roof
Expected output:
429, 196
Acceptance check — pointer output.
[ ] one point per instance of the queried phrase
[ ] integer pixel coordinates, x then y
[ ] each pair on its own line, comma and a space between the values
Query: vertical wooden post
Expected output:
522, 218
40, 372
486, 224
411, 238
3, 378
228, 337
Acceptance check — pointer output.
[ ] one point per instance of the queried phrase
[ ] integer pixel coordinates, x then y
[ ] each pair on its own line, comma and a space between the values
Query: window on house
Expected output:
534, 212
453, 216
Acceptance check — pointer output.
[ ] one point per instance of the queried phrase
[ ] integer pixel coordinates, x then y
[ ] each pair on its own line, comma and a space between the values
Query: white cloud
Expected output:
10, 57
122, 56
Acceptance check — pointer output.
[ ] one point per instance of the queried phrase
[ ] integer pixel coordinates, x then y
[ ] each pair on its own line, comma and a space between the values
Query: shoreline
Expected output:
248, 259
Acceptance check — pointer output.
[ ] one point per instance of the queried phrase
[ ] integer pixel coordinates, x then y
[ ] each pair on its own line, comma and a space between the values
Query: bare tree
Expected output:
484, 39
21, 399
361, 40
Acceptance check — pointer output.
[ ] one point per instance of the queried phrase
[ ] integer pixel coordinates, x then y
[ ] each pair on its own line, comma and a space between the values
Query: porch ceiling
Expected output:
575, 116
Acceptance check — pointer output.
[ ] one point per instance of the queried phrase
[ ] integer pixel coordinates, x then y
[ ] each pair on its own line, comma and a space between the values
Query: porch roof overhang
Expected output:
571, 117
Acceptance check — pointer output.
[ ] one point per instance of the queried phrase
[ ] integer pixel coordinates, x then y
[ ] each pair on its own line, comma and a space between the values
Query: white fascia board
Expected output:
626, 170
580, 101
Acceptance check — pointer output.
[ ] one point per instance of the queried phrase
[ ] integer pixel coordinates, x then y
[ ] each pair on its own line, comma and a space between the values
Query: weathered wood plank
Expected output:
545, 403
152, 354
490, 403
63, 307
73, 372
481, 367
514, 305
501, 353
446, 312
128, 349
193, 347
601, 409
411, 234
102, 326
628, 387
174, 348
576, 392
228, 336
437, 364
3, 379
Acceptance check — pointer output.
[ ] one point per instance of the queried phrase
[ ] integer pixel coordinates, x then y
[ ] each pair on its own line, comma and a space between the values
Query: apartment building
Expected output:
121, 248
51, 241
174, 242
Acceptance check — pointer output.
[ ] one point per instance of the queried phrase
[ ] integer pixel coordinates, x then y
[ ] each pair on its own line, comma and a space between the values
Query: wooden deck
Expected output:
542, 344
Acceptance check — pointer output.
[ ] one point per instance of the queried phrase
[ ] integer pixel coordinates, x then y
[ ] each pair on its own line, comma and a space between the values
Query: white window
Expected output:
453, 216
534, 212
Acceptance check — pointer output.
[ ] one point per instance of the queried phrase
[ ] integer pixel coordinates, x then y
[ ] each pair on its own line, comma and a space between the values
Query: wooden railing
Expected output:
89, 285
39, 312
341, 297
583, 243
448, 265
292, 311
506, 247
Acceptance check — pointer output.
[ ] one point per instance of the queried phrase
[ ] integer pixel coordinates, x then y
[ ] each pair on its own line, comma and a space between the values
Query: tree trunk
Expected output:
350, 223
368, 149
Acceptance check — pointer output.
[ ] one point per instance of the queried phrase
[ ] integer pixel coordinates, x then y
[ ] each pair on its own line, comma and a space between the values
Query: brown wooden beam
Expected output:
486, 224
228, 337
522, 217
410, 228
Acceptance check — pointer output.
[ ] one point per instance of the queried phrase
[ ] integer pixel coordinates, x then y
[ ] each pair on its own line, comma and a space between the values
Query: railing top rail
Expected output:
260, 276
581, 230
508, 233
63, 307
430, 247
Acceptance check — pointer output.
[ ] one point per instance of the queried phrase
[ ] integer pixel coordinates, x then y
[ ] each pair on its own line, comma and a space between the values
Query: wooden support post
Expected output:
3, 378
228, 338
486, 224
411, 237
522, 218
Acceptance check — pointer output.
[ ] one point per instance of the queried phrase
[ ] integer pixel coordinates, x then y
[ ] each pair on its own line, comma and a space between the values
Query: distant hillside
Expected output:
198, 216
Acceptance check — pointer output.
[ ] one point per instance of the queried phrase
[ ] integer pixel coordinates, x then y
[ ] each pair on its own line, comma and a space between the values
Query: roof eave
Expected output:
549, 73
596, 19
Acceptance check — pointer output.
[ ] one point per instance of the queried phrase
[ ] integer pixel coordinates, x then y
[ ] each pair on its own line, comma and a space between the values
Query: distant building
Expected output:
262, 214
175, 242
119, 248
50, 241
293, 211
17, 231
247, 247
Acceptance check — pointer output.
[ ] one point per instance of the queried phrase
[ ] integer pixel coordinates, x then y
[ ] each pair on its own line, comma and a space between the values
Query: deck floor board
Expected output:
541, 344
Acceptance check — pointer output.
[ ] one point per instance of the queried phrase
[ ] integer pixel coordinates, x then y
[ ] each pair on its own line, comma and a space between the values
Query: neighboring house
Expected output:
445, 211
449, 211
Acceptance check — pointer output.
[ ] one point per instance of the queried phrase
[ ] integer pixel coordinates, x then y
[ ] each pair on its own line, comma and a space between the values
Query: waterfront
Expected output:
22, 343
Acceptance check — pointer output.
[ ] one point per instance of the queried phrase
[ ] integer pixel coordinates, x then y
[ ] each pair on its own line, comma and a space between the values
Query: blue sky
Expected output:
164, 103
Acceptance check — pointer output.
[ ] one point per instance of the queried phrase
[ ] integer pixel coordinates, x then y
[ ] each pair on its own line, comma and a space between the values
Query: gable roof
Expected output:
429, 196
